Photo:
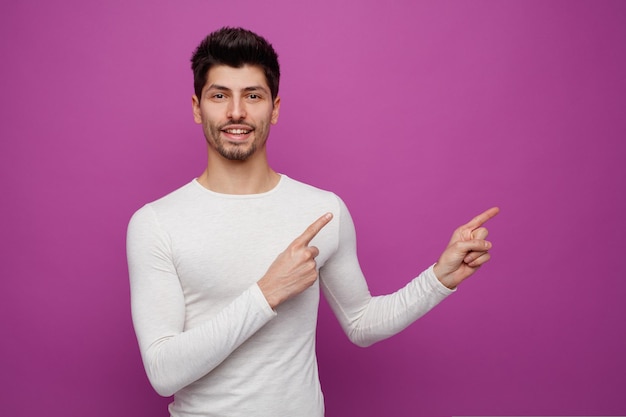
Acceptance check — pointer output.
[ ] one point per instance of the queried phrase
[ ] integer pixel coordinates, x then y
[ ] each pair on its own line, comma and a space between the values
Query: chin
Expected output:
237, 154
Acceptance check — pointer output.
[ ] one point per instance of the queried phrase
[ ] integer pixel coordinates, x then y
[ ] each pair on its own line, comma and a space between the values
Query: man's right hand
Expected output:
295, 269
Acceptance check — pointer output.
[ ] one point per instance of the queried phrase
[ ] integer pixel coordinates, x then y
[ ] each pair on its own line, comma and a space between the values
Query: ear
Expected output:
275, 111
195, 106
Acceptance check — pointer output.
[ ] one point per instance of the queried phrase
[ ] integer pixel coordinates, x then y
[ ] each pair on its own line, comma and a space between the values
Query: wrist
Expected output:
270, 296
445, 279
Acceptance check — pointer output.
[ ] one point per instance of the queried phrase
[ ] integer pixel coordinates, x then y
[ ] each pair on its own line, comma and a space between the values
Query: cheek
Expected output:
210, 128
207, 121
263, 127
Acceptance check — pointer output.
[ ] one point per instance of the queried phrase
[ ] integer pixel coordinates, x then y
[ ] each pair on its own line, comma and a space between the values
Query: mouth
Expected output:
237, 133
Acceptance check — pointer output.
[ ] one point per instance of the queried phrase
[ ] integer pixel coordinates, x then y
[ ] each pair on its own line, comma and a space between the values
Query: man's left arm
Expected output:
366, 319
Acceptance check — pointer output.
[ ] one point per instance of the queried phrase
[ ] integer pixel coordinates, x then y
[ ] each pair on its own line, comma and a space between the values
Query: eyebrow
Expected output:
245, 89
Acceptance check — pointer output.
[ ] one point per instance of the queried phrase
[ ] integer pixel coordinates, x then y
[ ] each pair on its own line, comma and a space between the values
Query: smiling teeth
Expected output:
237, 131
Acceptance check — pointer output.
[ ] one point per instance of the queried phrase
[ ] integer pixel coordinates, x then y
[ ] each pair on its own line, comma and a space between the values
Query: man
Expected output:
226, 271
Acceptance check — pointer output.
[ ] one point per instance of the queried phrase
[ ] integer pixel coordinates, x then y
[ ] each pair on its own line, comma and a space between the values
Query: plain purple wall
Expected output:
419, 114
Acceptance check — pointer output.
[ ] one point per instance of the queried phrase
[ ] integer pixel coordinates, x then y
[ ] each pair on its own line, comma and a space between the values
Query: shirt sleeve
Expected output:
366, 319
174, 356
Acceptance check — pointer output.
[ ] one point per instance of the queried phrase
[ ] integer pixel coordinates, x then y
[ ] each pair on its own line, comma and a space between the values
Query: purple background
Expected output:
419, 114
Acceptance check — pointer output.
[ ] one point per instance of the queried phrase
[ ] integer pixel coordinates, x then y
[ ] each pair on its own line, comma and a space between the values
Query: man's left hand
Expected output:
467, 251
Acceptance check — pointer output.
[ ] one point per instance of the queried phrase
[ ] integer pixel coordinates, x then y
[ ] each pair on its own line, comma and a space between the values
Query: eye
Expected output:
254, 96
218, 96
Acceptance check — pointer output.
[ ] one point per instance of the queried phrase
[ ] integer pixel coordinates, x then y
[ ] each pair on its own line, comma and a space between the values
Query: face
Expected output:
235, 111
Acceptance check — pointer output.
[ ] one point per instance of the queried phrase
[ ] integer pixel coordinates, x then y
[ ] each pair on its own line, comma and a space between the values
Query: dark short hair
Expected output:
234, 47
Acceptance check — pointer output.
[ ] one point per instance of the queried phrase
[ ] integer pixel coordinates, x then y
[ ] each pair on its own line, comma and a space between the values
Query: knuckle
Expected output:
457, 246
313, 252
311, 265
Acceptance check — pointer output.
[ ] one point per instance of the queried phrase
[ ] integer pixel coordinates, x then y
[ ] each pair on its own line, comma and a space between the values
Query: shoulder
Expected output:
309, 193
313, 202
169, 203
177, 197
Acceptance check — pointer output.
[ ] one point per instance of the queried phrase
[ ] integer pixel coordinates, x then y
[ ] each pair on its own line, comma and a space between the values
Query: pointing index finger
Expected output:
312, 231
482, 218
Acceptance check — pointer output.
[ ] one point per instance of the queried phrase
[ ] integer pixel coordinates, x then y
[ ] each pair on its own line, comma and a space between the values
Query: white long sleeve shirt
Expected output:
206, 332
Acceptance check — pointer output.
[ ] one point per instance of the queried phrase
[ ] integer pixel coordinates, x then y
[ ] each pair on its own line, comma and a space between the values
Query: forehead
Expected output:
236, 78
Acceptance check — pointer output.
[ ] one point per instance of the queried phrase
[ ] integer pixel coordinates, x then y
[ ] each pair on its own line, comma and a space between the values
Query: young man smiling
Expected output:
235, 109
226, 271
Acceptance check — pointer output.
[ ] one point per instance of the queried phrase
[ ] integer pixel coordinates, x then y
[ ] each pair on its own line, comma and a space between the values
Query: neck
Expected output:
253, 176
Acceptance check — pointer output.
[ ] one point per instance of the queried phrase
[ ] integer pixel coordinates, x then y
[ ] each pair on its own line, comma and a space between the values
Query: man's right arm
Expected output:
174, 357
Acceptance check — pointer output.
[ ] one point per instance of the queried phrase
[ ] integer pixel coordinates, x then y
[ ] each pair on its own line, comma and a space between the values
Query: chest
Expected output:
220, 252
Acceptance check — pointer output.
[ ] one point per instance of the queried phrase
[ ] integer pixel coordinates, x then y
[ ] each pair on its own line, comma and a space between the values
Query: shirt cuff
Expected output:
257, 294
430, 276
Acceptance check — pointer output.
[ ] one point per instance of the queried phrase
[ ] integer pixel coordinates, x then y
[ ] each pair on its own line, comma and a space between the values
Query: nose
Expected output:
236, 110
